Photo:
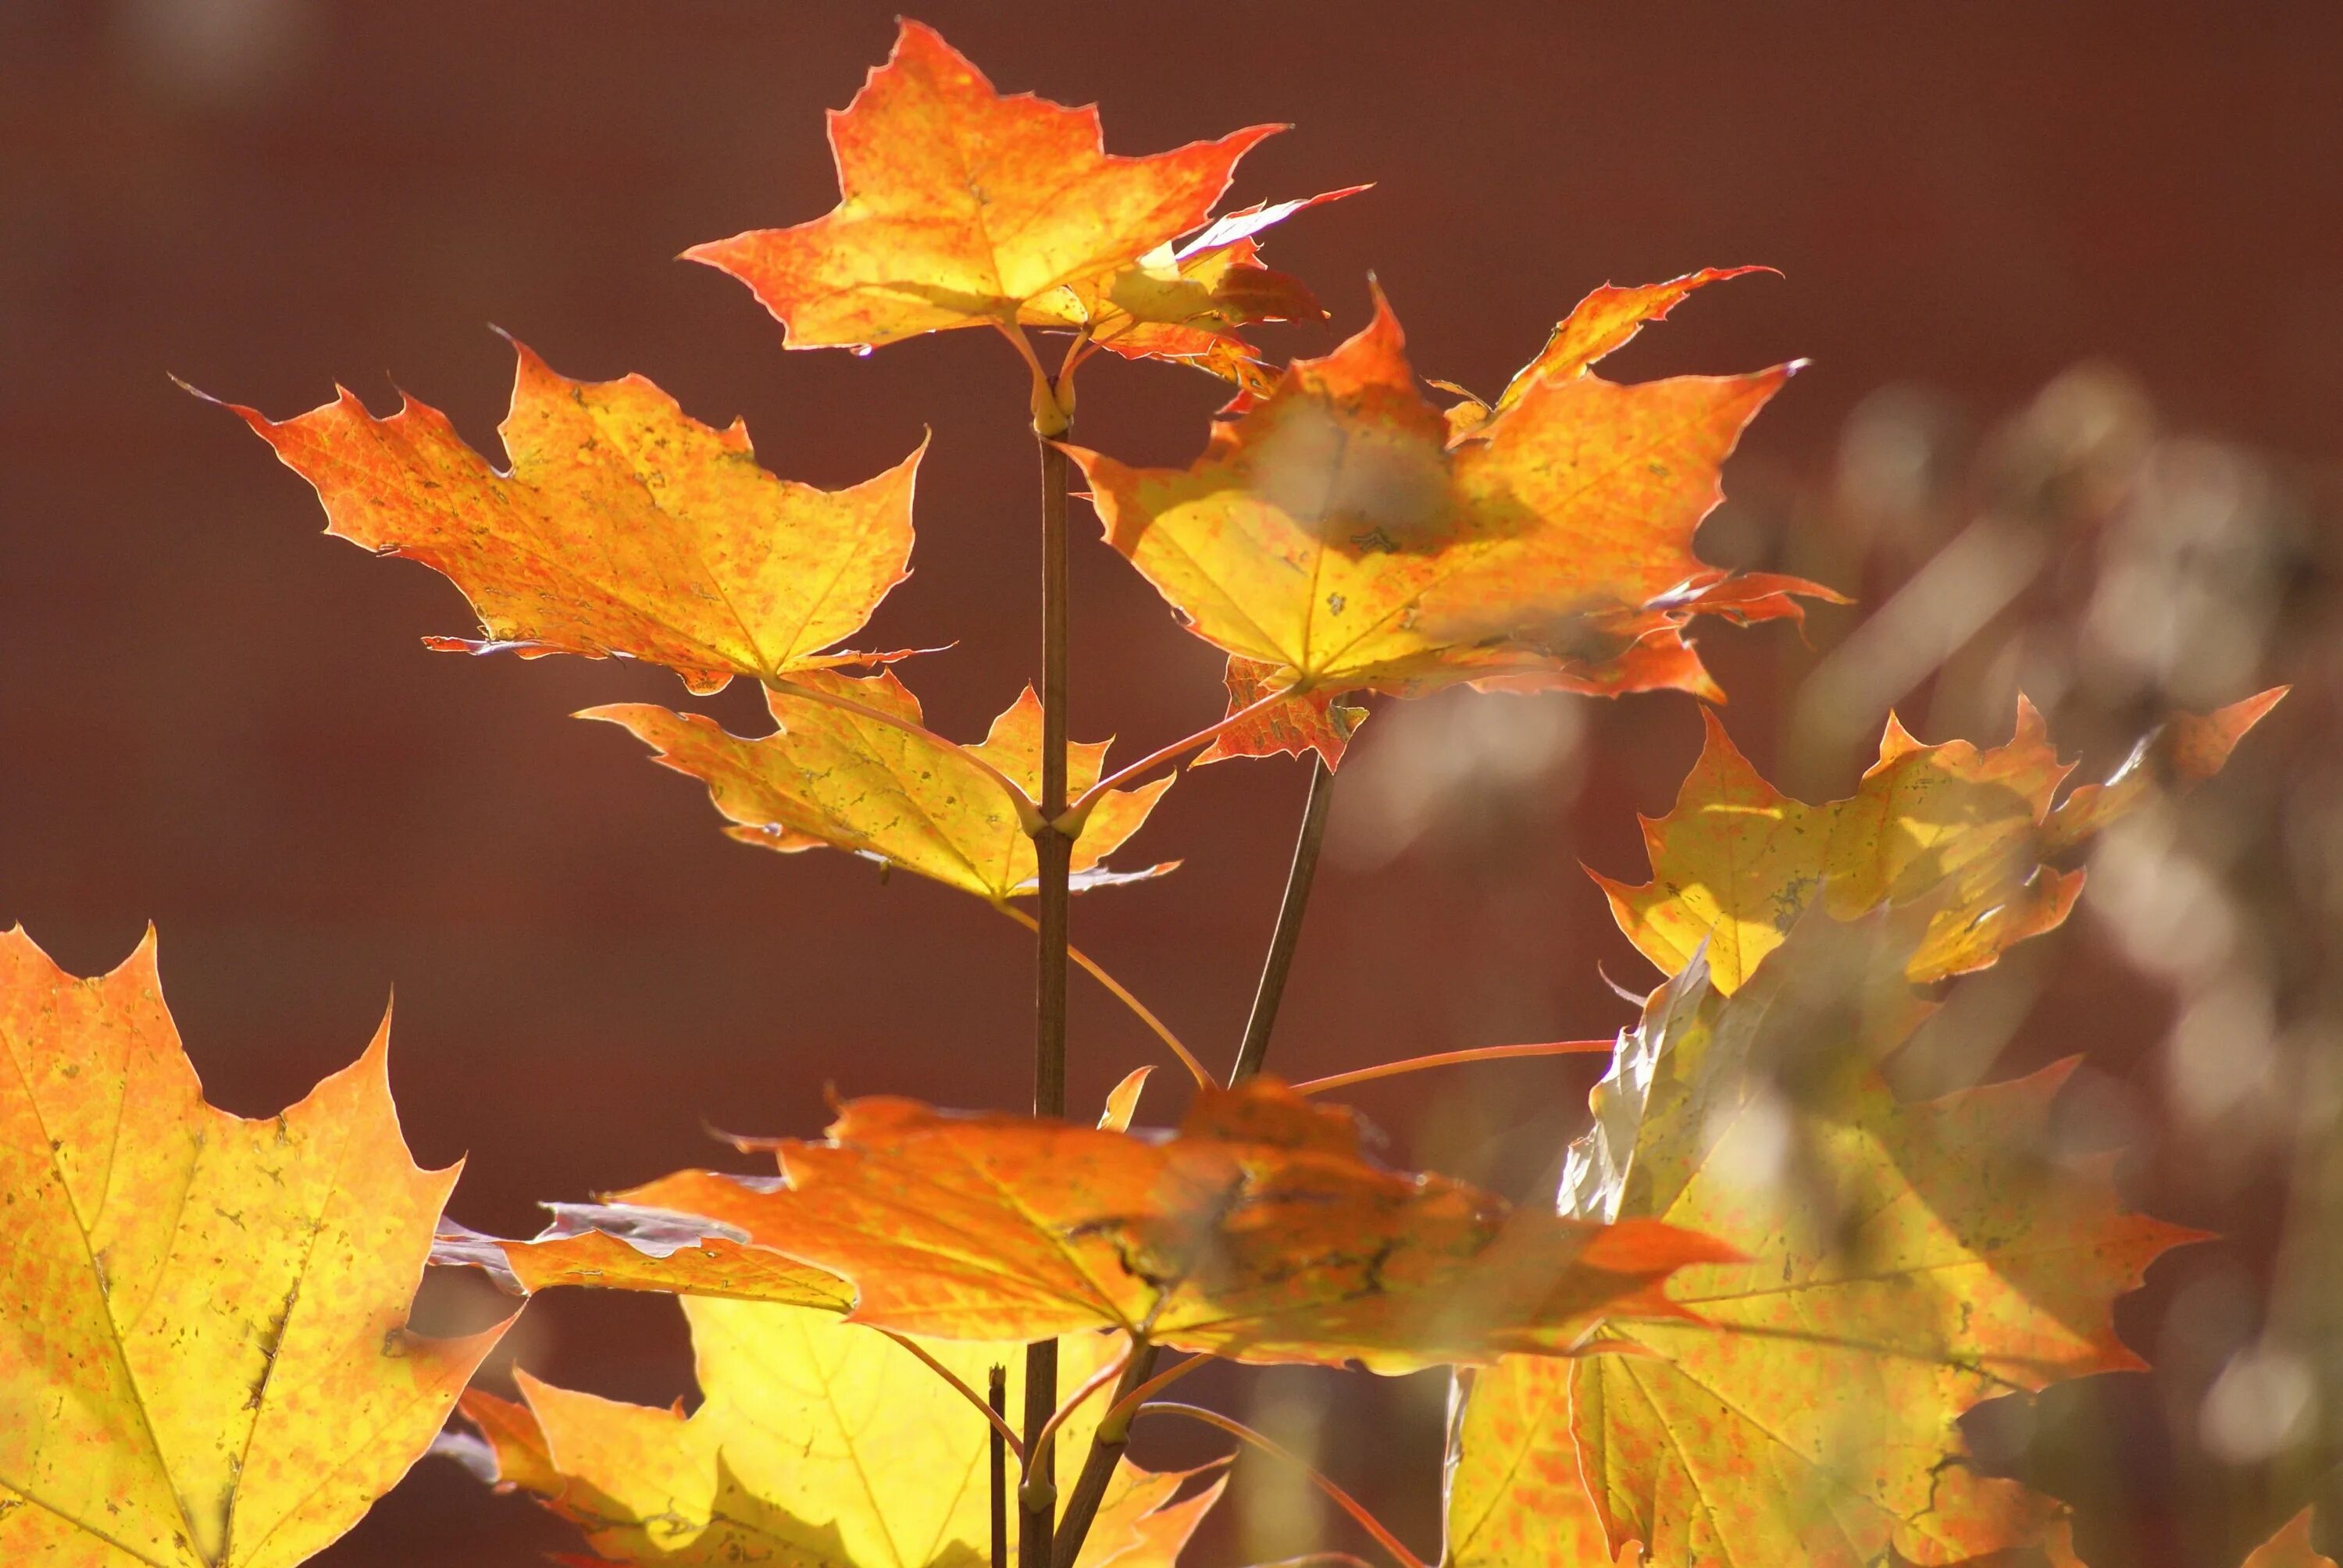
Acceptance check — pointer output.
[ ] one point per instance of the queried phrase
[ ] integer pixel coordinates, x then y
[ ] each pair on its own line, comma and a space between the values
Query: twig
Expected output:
1278, 962
996, 1398
1343, 1500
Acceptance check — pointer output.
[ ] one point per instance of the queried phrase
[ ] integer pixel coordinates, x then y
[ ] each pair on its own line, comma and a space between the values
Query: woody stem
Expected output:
1053, 850
1288, 935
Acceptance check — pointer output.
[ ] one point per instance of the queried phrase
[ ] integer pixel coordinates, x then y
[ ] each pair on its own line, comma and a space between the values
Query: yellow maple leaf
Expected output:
205, 1360
958, 206
817, 1443
624, 527
1904, 1260
1338, 535
833, 775
1964, 828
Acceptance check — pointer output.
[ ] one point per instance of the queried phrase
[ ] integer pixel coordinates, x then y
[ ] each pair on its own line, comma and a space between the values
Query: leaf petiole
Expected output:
1116, 989
1455, 1059
999, 1423
1077, 815
1341, 1498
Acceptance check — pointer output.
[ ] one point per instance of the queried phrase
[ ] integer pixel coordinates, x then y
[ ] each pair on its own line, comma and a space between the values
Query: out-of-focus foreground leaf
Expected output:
961, 207
2289, 1548
1258, 1231
1337, 534
624, 527
817, 1444
828, 775
1904, 1262
1968, 830
204, 1354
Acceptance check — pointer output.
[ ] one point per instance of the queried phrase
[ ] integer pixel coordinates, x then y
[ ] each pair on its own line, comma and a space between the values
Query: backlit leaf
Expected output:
1905, 1261
205, 1360
1316, 721
1187, 304
623, 528
1260, 1232
830, 775
959, 208
1969, 829
817, 1444
1337, 534
1514, 1496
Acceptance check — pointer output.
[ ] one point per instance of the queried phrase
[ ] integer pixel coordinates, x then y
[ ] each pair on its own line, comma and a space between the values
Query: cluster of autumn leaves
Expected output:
1743, 1330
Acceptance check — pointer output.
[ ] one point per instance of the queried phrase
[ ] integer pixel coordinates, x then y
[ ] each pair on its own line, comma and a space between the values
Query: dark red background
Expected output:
213, 718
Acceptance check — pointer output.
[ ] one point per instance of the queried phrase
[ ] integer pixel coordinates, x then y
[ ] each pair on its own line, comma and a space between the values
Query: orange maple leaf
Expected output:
1260, 1232
1337, 533
205, 1360
624, 527
1316, 721
959, 208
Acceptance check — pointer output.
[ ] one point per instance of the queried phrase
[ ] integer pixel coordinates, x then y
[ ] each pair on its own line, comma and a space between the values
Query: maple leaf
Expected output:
1513, 1493
624, 527
204, 1354
1315, 721
2289, 1548
1968, 830
1904, 1262
640, 1247
1337, 534
829, 775
818, 1444
1258, 1233
959, 208
1186, 303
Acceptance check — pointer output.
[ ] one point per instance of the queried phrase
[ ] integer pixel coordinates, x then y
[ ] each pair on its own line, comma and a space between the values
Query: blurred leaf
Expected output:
1905, 1261
1967, 831
1335, 535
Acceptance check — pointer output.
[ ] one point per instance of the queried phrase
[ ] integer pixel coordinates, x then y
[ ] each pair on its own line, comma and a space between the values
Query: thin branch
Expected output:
1455, 1059
1107, 1444
1000, 1424
1053, 850
1343, 1500
1050, 418
1071, 821
1095, 1382
996, 1400
1029, 815
1278, 962
1115, 989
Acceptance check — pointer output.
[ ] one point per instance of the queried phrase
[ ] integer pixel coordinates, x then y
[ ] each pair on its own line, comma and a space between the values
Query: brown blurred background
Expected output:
2072, 278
